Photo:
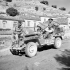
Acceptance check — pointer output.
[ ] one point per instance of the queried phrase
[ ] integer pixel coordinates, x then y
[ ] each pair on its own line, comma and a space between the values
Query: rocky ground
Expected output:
44, 60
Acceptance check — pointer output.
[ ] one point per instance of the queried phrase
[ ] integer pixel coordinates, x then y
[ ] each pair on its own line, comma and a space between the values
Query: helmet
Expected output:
50, 19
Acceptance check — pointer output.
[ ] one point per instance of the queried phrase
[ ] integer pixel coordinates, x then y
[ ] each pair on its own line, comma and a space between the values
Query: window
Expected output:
14, 25
4, 23
44, 19
28, 23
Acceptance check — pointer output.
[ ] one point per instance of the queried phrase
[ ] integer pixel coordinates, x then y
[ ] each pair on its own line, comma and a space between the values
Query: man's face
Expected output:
50, 21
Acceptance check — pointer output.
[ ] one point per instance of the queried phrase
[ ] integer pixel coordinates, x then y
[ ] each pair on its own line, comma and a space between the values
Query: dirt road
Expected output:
44, 60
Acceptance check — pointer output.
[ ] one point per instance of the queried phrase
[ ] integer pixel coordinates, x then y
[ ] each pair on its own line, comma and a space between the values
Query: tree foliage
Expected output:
8, 0
44, 2
54, 6
12, 12
63, 8
36, 8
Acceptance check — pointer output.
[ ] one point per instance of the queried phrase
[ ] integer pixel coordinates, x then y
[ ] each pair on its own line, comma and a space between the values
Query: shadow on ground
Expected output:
40, 49
16, 52
64, 60
45, 47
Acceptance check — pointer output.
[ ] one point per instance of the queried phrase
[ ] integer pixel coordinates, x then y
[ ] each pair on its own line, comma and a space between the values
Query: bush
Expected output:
44, 2
54, 6
36, 8
8, 0
12, 12
44, 9
63, 9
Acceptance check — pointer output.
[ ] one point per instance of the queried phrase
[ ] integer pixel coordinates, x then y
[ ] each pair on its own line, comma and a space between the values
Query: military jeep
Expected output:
30, 42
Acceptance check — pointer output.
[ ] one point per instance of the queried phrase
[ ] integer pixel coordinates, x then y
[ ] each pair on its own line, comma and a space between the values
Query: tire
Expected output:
31, 49
57, 43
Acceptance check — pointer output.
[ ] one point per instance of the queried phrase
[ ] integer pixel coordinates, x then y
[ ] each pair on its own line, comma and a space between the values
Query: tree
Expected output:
44, 2
8, 0
36, 8
63, 9
54, 6
12, 12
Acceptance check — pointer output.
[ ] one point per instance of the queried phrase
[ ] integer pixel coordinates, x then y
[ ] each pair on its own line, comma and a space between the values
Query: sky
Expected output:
60, 3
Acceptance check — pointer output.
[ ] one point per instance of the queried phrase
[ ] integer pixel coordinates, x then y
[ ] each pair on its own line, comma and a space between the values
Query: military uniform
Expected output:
48, 26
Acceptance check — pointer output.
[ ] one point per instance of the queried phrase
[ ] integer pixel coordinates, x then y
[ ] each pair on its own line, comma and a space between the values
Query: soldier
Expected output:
48, 26
49, 29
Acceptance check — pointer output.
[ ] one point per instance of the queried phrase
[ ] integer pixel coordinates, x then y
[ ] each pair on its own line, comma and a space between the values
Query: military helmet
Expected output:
50, 19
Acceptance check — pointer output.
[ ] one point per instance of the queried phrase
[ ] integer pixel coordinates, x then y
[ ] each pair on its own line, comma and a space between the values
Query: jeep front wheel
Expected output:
57, 43
31, 49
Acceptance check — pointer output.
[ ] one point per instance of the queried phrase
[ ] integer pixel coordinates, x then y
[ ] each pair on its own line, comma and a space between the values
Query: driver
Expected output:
49, 29
47, 26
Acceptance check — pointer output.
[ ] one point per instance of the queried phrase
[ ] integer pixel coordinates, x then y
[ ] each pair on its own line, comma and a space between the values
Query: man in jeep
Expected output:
47, 27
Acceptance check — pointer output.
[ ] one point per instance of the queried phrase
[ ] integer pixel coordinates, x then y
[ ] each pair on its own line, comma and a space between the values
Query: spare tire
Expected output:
12, 12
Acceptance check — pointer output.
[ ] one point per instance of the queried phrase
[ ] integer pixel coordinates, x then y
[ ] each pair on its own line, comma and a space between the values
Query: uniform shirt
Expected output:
48, 26
49, 30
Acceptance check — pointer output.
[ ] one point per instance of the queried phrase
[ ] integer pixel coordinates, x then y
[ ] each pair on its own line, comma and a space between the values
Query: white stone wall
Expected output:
6, 24
28, 23
65, 27
1, 24
69, 22
44, 19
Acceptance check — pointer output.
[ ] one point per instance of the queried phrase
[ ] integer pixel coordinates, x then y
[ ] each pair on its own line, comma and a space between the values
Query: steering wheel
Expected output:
39, 28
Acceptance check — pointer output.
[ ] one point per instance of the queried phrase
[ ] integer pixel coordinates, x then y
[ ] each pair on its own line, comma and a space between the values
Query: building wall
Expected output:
9, 24
28, 23
6, 24
69, 22
65, 27
44, 19
6, 27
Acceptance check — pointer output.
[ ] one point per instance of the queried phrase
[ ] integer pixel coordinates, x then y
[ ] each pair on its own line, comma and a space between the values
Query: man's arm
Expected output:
49, 30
